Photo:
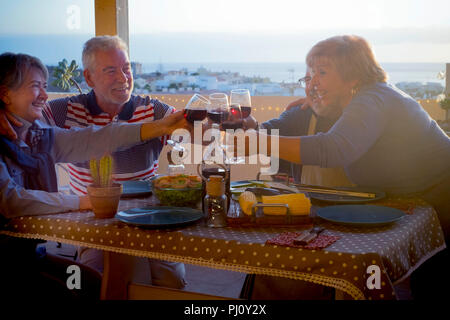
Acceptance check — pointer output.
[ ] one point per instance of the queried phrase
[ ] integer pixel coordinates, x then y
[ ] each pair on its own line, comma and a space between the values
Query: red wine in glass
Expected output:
218, 116
192, 115
235, 110
235, 120
245, 111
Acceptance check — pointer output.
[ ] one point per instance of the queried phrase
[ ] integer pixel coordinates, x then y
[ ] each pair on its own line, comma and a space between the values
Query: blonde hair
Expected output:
352, 56
103, 43
14, 68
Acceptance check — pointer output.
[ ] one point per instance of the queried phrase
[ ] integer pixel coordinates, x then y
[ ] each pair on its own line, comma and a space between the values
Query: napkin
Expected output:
286, 239
298, 204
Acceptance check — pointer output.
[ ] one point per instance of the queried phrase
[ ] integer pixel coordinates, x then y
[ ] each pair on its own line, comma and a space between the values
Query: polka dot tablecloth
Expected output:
364, 262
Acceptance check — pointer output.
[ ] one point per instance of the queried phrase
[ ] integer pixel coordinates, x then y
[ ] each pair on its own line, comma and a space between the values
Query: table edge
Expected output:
340, 284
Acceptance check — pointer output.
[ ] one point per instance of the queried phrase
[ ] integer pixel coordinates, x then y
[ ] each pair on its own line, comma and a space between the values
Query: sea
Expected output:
292, 71
43, 46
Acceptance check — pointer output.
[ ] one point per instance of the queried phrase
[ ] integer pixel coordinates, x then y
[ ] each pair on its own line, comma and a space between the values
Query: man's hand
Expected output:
304, 103
6, 119
296, 103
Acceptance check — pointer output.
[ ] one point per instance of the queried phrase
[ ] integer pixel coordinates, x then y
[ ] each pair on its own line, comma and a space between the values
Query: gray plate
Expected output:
360, 215
160, 217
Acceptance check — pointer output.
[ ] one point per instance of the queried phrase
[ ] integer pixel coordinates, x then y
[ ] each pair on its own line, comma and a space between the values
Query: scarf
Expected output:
39, 167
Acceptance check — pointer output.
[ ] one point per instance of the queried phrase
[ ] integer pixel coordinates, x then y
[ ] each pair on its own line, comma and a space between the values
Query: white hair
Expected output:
100, 43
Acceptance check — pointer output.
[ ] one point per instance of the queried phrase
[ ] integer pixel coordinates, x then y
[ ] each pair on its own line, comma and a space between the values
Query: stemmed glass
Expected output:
241, 97
218, 112
219, 108
240, 108
196, 110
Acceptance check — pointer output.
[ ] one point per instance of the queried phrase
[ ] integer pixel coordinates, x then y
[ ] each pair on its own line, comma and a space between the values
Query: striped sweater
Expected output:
139, 162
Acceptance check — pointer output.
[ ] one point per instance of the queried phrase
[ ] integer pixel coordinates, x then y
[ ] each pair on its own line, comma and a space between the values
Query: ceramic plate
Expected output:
237, 187
160, 217
360, 215
333, 198
136, 188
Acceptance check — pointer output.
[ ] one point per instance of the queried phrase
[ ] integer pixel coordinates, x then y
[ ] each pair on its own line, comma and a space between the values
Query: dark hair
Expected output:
14, 68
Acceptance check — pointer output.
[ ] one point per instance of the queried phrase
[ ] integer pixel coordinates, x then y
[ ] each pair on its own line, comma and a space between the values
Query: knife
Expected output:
323, 190
307, 237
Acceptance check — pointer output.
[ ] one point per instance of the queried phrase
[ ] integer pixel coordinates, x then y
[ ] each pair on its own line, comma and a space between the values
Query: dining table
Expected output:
347, 265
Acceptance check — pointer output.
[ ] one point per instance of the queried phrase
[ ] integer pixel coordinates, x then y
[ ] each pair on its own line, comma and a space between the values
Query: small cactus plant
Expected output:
101, 171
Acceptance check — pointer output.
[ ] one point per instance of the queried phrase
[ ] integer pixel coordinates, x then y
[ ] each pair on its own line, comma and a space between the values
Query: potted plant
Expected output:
103, 193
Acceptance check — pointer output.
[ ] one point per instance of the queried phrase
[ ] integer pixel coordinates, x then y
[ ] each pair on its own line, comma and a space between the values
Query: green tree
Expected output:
65, 75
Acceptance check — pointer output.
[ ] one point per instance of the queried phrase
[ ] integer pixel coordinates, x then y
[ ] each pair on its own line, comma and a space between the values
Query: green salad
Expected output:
178, 191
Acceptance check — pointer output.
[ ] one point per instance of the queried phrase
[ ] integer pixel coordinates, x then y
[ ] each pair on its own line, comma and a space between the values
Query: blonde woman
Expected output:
384, 139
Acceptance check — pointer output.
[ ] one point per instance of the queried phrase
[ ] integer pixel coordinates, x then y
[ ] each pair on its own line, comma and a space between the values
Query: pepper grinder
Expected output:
215, 202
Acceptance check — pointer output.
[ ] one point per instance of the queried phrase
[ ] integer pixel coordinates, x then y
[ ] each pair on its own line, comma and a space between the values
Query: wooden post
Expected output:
447, 89
111, 18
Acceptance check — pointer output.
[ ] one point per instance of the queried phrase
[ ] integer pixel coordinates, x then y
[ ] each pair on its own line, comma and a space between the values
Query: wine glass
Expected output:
218, 113
219, 108
240, 108
196, 108
242, 98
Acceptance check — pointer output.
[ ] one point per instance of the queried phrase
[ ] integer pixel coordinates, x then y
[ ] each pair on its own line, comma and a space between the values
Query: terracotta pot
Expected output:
105, 200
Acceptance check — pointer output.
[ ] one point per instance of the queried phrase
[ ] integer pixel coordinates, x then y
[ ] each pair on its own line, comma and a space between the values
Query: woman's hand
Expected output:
85, 203
6, 119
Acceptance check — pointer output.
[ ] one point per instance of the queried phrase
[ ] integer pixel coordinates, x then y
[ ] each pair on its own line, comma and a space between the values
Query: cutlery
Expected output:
318, 189
307, 237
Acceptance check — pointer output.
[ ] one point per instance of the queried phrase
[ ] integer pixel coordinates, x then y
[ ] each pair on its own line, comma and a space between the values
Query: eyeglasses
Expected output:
304, 81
